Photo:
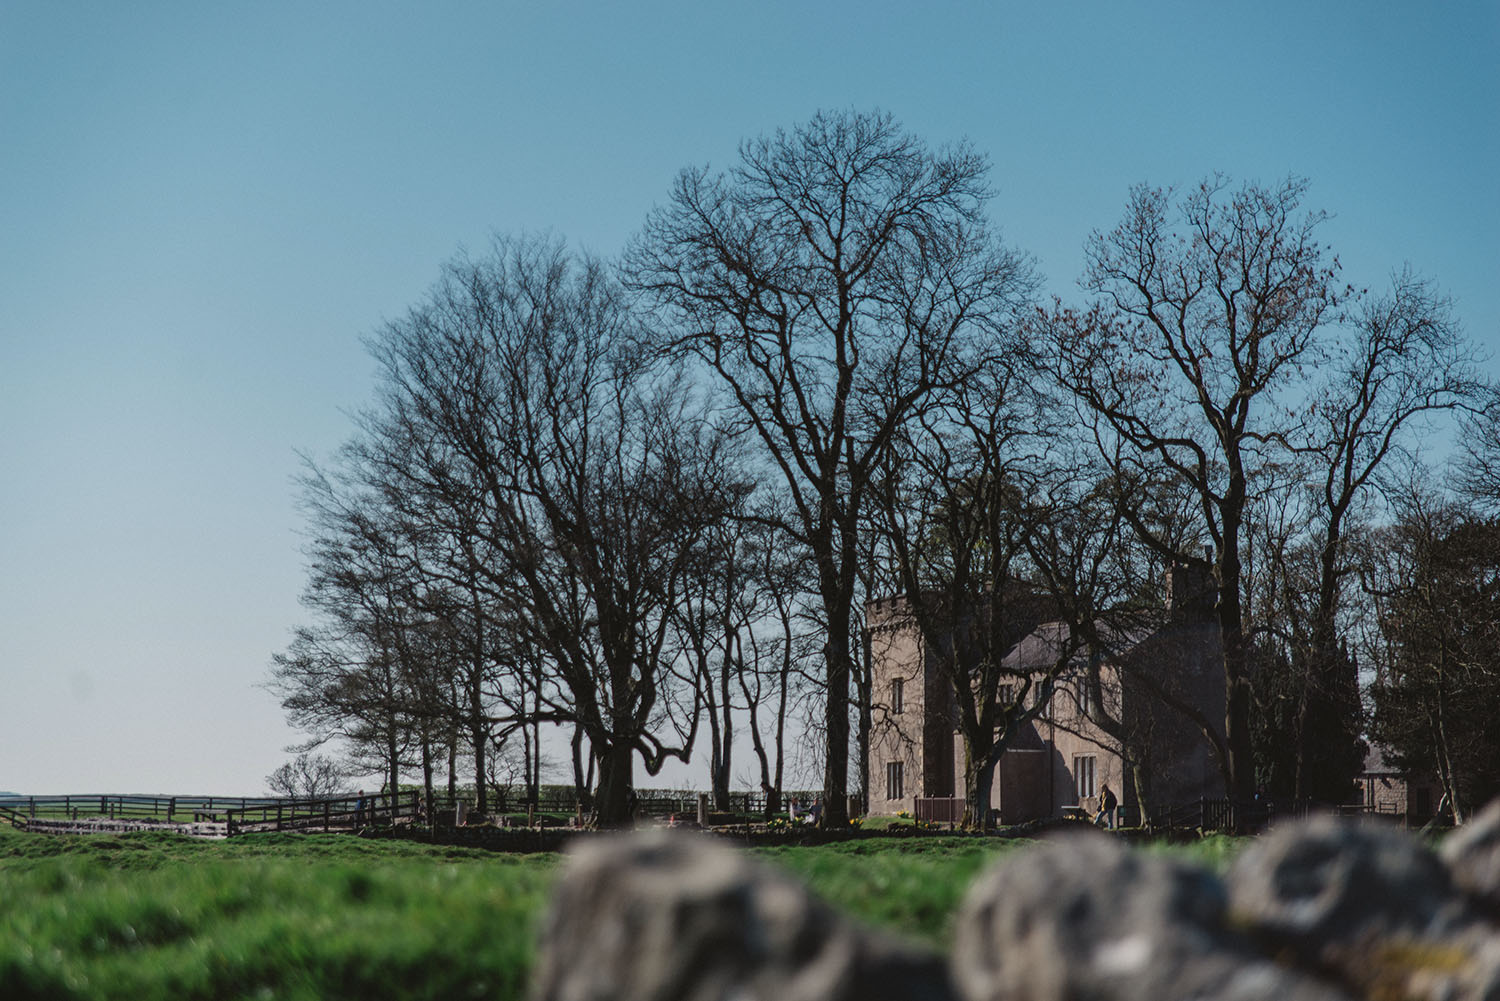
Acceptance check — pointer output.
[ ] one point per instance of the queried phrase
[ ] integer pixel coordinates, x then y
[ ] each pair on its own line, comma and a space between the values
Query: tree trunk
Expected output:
1240, 759
1140, 781
479, 727
534, 778
612, 805
427, 770
453, 765
394, 762
1445, 759
726, 730
479, 736
758, 746
580, 781
778, 783
979, 784
718, 740
836, 718
866, 724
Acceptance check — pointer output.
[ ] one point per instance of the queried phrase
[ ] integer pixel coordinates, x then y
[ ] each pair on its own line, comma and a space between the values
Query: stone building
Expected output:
1387, 791
1159, 676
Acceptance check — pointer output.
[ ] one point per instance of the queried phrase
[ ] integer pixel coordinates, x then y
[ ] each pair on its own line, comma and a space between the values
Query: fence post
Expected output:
703, 809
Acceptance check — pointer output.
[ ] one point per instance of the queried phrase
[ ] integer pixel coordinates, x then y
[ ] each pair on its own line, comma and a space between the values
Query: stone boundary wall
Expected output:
552, 839
496, 839
107, 825
1317, 910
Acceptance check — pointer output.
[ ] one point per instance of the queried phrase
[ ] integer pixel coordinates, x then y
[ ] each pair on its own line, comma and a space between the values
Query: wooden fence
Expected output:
938, 809
649, 802
9, 816
171, 809
243, 814
237, 813
1221, 815
336, 813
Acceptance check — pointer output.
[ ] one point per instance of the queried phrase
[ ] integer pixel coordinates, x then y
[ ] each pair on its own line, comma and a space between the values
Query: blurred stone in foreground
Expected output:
1473, 855
1082, 917
664, 917
1370, 906
1321, 910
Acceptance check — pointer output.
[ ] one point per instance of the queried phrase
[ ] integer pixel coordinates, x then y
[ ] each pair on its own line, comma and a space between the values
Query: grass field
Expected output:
147, 916
157, 916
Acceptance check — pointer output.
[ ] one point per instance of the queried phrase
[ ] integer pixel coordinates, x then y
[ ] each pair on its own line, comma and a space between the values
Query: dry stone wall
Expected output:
120, 825
1321, 909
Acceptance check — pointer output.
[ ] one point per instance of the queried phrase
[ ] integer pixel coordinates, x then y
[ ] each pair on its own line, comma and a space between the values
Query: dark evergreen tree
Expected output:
1436, 698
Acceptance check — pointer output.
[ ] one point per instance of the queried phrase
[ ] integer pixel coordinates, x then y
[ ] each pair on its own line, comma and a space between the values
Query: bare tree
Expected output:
1477, 472
1406, 361
1200, 331
359, 673
709, 623
519, 384
951, 509
835, 277
308, 776
782, 648
1105, 590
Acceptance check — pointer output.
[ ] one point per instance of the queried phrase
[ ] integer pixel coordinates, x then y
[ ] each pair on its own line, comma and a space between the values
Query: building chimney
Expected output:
1191, 593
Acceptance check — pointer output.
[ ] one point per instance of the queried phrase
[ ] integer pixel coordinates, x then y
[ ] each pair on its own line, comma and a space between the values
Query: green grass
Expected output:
157, 916
910, 886
1214, 852
146, 916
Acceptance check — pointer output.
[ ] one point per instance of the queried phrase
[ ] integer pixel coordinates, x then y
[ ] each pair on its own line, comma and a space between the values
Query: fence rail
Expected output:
333, 813
1221, 815
345, 812
938, 809
116, 807
649, 802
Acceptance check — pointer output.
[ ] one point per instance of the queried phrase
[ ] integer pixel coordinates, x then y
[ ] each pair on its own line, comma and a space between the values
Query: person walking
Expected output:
1107, 803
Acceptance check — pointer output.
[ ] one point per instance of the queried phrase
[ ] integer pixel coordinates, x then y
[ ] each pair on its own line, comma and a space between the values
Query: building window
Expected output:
1007, 694
895, 787
1083, 698
1084, 766
898, 687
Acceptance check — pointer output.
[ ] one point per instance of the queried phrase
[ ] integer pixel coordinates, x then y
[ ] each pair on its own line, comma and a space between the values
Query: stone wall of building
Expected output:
1062, 760
896, 737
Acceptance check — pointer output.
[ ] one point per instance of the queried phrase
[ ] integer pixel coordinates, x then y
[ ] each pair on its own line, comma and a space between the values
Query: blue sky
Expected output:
204, 207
